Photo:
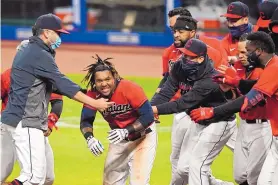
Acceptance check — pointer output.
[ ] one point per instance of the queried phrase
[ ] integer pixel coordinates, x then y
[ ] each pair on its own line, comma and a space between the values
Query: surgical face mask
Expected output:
57, 43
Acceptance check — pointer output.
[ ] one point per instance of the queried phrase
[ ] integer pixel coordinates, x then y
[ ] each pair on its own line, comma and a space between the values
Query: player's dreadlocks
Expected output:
99, 65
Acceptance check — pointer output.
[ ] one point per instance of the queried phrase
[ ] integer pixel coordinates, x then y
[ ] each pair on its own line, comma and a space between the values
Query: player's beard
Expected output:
181, 44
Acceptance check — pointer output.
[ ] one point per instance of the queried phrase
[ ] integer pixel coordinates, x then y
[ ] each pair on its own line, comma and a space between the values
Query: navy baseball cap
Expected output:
50, 22
236, 10
266, 10
194, 48
273, 25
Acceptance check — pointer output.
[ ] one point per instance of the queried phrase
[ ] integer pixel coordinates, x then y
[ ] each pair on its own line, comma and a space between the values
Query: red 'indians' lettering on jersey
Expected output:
128, 98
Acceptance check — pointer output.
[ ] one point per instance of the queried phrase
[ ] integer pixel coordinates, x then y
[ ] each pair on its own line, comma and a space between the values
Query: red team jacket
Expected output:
5, 88
128, 98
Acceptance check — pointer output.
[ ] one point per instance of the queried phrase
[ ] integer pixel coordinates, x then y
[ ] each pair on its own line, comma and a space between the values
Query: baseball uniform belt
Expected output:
138, 135
254, 121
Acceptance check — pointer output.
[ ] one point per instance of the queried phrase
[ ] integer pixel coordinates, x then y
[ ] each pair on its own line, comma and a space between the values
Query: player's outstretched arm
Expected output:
243, 103
86, 128
100, 104
169, 89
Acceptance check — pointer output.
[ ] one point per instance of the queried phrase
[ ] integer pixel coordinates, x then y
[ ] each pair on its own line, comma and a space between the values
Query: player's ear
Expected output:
192, 33
259, 51
245, 20
201, 59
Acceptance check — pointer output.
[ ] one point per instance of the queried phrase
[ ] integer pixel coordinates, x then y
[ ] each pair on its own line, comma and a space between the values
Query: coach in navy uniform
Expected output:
34, 74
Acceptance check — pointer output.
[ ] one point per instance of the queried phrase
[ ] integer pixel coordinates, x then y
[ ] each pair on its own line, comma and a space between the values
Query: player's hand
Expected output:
156, 118
95, 146
102, 104
48, 132
117, 135
202, 113
228, 76
155, 111
52, 120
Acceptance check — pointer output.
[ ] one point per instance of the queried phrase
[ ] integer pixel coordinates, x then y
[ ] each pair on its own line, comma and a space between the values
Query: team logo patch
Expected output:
117, 109
184, 87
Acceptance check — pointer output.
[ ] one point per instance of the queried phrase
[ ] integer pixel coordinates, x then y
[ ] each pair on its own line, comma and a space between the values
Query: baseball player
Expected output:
33, 74
204, 142
237, 20
266, 9
132, 137
260, 97
56, 101
254, 135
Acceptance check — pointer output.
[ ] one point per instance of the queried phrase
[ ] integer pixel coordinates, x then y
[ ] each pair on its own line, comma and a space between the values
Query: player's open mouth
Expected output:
105, 90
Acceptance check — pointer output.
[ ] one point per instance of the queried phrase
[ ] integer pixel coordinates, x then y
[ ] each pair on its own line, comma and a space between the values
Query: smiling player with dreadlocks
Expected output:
132, 137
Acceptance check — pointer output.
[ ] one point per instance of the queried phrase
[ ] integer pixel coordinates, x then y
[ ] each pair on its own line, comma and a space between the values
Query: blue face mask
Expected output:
56, 44
237, 31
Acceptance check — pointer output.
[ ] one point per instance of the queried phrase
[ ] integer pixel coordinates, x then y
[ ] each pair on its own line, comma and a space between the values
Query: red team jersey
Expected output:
5, 88
229, 45
241, 71
268, 85
128, 98
253, 75
218, 59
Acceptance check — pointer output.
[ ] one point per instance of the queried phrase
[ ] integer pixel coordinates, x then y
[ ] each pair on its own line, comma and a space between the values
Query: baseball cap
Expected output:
236, 10
266, 10
273, 25
194, 48
50, 22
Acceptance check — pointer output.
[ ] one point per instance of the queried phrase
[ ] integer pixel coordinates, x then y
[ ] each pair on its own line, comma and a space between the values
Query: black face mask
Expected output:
253, 59
274, 37
190, 67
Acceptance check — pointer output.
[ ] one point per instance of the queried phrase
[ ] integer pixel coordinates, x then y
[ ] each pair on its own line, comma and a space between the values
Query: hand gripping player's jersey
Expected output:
5, 88
128, 97
268, 85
